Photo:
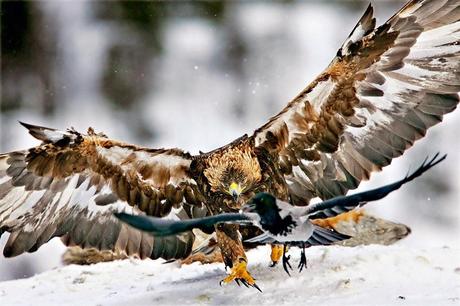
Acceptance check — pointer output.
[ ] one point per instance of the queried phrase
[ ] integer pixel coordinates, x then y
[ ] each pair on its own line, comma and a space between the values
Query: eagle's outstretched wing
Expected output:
382, 91
70, 185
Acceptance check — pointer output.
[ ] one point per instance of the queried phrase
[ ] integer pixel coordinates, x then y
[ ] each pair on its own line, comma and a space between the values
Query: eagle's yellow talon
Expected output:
277, 252
240, 273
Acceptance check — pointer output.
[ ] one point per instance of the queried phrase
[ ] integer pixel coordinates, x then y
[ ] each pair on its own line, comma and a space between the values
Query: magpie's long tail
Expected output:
338, 205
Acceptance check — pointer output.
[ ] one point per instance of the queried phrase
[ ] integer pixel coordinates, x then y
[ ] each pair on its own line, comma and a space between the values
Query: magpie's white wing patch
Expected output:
385, 88
319, 236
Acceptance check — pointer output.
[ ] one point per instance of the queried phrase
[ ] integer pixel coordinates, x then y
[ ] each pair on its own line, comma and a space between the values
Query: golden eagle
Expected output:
386, 86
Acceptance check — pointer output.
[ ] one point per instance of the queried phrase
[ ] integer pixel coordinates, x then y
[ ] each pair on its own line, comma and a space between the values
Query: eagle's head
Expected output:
233, 174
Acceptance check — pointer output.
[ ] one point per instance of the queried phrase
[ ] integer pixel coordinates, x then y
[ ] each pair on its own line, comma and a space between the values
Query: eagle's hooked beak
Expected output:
235, 190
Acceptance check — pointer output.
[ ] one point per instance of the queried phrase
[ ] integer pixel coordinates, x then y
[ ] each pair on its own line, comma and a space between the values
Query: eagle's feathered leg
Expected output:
205, 249
303, 259
286, 263
276, 254
229, 241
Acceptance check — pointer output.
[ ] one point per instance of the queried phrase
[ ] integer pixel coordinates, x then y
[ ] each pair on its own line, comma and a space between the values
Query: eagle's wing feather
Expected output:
384, 89
70, 185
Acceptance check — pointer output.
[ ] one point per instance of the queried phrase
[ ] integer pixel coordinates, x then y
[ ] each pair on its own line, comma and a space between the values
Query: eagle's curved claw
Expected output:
239, 274
245, 283
257, 287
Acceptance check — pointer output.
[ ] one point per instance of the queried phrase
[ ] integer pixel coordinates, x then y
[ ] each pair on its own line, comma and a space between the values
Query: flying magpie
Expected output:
280, 221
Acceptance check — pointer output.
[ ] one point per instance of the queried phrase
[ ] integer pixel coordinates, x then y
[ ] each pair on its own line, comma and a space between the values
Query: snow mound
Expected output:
365, 275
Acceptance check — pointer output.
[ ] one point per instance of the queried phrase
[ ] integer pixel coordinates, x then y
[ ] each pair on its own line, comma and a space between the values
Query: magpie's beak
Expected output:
248, 208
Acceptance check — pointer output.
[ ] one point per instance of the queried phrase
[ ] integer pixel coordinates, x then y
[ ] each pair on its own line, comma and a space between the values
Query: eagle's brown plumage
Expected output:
69, 186
382, 91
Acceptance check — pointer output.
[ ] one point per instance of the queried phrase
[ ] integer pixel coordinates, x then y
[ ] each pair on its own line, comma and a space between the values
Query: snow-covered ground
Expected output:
365, 275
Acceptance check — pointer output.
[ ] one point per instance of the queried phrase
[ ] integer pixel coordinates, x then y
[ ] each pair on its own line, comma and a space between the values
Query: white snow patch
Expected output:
377, 275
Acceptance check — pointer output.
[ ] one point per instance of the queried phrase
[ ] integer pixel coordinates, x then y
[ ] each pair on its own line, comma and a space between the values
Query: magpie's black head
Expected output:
263, 204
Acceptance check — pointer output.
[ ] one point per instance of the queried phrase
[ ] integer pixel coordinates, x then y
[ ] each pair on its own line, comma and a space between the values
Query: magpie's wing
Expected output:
163, 227
320, 236
338, 205
324, 236
263, 238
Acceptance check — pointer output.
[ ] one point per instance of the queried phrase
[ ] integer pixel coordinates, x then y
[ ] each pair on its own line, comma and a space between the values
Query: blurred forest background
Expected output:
194, 75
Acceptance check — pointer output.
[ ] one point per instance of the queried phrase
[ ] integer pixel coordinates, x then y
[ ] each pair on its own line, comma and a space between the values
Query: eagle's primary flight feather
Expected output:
386, 86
